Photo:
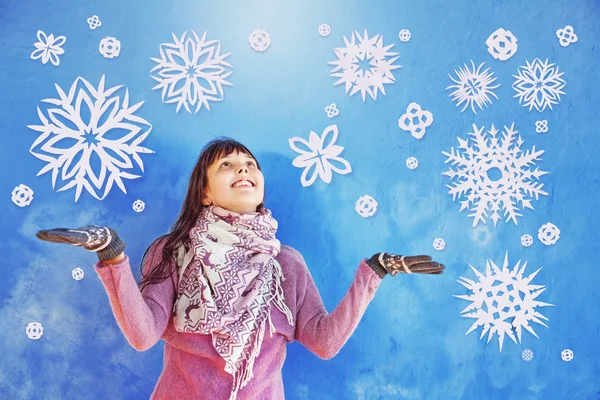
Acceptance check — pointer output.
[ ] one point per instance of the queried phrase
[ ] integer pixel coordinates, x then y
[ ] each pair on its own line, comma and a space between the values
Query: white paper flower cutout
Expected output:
34, 330
94, 22
541, 126
538, 84
502, 44
110, 47
364, 66
138, 206
90, 137
318, 155
77, 274
191, 72
366, 206
259, 40
548, 234
494, 174
526, 240
324, 30
503, 301
415, 120
332, 110
439, 244
404, 35
473, 87
22, 195
48, 48
527, 355
566, 355
566, 36
412, 163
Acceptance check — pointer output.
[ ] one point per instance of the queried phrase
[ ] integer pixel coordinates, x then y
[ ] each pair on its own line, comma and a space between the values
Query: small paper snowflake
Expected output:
439, 244
541, 126
566, 355
94, 22
110, 47
527, 355
473, 87
34, 330
502, 44
324, 30
259, 40
415, 120
412, 163
404, 35
77, 274
332, 110
549, 234
566, 36
526, 240
22, 195
138, 206
366, 206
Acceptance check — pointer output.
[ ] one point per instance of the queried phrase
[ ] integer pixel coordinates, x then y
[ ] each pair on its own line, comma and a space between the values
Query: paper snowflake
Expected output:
364, 66
503, 301
473, 87
317, 156
191, 72
90, 137
493, 173
48, 48
538, 84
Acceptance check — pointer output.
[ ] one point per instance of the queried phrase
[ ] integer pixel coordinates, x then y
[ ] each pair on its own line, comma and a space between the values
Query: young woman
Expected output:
209, 286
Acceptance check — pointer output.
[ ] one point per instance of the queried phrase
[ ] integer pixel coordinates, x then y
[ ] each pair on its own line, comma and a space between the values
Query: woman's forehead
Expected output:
234, 154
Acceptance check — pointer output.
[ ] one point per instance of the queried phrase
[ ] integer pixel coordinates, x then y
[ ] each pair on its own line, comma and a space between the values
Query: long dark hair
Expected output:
191, 209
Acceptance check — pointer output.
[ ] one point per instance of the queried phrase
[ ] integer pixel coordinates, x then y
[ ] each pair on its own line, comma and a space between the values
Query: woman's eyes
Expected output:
227, 164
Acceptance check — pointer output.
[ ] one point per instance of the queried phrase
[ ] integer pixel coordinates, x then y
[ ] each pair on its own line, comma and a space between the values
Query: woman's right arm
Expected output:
143, 317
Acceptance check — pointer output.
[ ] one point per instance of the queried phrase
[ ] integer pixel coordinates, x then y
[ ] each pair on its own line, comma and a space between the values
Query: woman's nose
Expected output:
243, 168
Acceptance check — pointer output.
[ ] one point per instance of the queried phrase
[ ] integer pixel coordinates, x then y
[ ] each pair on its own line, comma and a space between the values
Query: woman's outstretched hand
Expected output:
393, 264
100, 239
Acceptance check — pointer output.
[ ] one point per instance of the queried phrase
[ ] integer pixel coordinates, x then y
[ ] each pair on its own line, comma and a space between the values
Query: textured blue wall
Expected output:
411, 342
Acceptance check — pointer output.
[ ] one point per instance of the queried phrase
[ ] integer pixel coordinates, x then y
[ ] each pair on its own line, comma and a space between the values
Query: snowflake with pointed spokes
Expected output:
539, 85
503, 301
89, 138
473, 87
364, 66
191, 72
493, 174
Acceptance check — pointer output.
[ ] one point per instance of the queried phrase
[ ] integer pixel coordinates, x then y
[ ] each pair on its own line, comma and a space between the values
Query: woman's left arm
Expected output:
323, 333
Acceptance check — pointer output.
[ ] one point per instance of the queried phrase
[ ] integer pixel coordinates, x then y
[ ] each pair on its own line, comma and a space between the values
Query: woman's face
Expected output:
235, 183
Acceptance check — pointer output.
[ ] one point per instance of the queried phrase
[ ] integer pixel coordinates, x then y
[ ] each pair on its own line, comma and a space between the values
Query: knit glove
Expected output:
393, 264
104, 241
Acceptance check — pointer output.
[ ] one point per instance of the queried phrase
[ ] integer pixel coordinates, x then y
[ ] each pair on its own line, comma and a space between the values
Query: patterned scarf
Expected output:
227, 283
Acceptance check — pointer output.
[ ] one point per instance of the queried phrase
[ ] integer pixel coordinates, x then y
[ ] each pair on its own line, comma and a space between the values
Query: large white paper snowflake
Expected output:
191, 72
364, 66
493, 173
317, 155
538, 84
473, 87
89, 137
503, 301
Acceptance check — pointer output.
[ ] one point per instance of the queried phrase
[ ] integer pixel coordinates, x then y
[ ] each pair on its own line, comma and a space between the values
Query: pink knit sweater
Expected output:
192, 368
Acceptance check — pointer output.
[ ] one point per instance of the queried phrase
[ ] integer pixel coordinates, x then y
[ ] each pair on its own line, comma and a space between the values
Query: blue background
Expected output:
411, 343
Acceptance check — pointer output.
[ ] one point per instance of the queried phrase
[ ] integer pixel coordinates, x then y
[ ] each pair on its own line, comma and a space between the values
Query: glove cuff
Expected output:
114, 248
373, 262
